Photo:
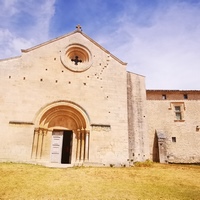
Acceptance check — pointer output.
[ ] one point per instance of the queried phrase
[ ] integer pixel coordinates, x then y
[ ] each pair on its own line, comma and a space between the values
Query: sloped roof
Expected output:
67, 35
181, 91
11, 58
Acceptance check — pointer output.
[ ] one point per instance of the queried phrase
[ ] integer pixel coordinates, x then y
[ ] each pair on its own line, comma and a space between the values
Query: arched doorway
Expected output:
61, 134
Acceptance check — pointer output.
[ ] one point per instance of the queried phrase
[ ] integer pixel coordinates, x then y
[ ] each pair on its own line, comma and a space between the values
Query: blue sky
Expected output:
159, 39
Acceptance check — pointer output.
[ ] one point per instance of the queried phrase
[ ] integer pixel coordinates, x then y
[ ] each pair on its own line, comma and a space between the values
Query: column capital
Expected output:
78, 134
45, 132
41, 132
82, 130
36, 130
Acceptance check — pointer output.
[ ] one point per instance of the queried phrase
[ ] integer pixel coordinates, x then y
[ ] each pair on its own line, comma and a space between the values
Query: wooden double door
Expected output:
61, 146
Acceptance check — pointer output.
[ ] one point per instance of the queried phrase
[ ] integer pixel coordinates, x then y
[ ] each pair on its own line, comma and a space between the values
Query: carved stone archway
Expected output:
61, 115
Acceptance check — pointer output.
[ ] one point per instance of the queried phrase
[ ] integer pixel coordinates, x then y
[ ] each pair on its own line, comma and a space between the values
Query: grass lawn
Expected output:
24, 181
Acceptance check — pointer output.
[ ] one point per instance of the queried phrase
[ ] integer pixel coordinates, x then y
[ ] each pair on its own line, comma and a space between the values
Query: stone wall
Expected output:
123, 119
182, 136
173, 95
38, 78
137, 124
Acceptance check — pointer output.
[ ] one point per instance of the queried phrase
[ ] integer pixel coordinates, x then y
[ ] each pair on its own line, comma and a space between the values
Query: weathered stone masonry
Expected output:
70, 101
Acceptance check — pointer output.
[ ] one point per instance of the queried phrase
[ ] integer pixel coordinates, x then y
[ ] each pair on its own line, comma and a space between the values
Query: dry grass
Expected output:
23, 181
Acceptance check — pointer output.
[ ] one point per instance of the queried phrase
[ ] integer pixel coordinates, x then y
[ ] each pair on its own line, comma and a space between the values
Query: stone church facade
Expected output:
70, 101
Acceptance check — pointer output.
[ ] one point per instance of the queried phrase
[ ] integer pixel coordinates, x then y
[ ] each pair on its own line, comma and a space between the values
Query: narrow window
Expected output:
178, 113
185, 96
164, 96
173, 139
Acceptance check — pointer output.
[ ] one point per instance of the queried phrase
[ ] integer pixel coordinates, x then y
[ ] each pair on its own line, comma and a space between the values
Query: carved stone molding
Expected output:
101, 127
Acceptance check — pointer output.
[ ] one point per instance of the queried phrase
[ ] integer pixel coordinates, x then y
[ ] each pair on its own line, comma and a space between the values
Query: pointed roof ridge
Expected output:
47, 42
105, 50
78, 30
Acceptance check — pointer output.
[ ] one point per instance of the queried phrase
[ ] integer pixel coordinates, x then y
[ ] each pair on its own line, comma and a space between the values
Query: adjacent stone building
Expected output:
173, 125
70, 101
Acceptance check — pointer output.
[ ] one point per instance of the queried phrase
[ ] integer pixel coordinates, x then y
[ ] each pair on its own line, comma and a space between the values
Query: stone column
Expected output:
44, 133
82, 144
34, 144
78, 146
39, 146
37, 143
87, 146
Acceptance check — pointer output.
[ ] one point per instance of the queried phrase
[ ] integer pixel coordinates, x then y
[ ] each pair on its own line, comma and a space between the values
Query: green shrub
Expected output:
147, 163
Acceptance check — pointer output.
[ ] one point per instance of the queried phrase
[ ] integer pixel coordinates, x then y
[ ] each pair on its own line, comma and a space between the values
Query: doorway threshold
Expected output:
58, 165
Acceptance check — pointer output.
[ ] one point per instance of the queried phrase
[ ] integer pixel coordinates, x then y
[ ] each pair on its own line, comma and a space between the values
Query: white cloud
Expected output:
165, 49
10, 44
158, 39
23, 24
8, 7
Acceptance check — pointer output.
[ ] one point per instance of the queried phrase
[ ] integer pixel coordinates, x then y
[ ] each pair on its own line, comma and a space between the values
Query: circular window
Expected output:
77, 58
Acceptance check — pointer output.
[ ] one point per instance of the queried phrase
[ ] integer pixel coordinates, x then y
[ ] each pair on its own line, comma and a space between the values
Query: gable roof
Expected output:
66, 35
11, 58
